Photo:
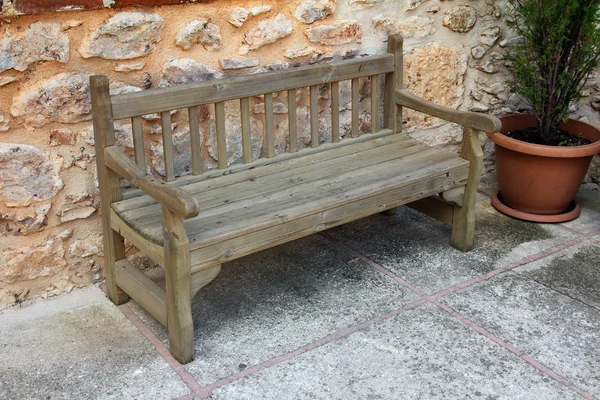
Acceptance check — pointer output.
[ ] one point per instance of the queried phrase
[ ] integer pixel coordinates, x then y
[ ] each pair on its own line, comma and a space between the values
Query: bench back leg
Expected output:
178, 287
392, 112
108, 180
463, 222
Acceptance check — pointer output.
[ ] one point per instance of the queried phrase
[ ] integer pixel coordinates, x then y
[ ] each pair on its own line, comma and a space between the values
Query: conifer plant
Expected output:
558, 50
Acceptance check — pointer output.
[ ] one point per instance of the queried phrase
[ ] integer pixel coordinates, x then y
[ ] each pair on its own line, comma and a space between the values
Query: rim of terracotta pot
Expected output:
572, 212
544, 150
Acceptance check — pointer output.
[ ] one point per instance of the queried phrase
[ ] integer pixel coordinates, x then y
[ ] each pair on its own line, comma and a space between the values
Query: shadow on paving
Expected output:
278, 300
416, 247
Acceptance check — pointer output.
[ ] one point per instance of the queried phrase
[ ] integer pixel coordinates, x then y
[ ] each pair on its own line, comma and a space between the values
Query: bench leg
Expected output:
463, 228
463, 221
114, 246
178, 288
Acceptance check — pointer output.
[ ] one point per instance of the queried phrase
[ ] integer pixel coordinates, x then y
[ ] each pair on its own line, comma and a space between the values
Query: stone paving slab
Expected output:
559, 331
80, 346
416, 247
423, 353
574, 272
278, 300
589, 220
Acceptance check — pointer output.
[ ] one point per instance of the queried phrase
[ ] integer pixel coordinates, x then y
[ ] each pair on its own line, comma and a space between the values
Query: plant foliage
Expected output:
560, 48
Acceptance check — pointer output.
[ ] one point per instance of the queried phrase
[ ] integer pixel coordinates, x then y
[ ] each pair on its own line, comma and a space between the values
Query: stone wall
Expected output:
50, 228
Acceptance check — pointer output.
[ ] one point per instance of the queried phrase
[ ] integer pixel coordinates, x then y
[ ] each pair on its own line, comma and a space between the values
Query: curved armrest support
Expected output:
177, 200
480, 122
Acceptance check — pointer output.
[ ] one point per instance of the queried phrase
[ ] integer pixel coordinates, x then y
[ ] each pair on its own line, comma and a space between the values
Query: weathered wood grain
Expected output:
178, 287
242, 171
355, 108
463, 226
392, 112
201, 278
138, 142
315, 191
167, 135
142, 289
223, 197
284, 168
314, 116
174, 198
195, 141
269, 125
455, 195
176, 97
150, 249
434, 207
245, 120
221, 134
240, 246
335, 112
375, 104
292, 122
477, 121
108, 182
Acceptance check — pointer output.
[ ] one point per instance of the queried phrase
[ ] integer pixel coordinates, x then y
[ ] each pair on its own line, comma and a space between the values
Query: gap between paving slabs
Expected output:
204, 391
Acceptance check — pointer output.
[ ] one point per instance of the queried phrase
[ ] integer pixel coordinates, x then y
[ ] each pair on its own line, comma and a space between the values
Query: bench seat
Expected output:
244, 211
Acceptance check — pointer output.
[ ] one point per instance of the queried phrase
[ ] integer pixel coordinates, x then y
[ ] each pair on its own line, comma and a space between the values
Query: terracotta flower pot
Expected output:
539, 182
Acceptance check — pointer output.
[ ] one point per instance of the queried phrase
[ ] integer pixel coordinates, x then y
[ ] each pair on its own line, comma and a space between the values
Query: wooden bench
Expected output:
192, 224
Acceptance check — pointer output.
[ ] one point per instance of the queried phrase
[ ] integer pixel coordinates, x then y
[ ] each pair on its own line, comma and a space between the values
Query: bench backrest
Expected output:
242, 88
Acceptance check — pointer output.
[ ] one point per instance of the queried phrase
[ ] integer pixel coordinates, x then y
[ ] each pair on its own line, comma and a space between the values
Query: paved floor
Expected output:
381, 308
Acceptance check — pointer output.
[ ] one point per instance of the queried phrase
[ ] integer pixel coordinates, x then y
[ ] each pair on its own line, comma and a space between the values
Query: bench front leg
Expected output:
178, 287
463, 221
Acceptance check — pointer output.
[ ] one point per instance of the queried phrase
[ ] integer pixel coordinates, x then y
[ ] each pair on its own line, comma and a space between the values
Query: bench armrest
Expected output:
177, 200
477, 121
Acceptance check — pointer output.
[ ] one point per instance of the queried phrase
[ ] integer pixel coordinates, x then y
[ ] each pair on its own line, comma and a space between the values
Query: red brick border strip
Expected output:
185, 376
42, 6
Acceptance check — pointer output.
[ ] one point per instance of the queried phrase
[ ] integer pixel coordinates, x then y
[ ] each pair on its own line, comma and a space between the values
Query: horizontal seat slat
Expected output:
171, 98
240, 173
216, 197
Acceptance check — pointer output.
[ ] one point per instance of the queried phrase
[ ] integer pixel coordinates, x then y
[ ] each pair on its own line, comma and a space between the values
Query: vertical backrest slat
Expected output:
165, 119
314, 116
221, 137
270, 125
355, 107
195, 140
393, 81
138, 142
335, 112
292, 120
375, 104
245, 119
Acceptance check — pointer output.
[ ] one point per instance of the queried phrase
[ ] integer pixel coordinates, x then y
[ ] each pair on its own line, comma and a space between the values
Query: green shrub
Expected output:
559, 51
